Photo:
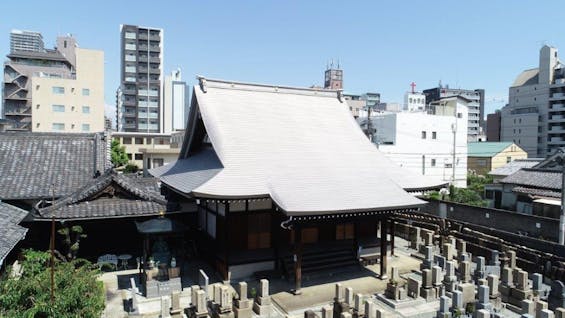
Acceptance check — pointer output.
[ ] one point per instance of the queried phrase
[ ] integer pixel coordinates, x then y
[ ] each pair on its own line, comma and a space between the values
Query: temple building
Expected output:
276, 189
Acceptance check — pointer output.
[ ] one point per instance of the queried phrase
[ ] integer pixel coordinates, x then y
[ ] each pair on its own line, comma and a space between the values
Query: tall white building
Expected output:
175, 105
30, 41
534, 118
431, 144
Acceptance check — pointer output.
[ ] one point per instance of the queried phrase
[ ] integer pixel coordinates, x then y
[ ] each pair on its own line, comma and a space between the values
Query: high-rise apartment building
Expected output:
175, 103
26, 41
493, 126
475, 105
59, 90
140, 103
534, 118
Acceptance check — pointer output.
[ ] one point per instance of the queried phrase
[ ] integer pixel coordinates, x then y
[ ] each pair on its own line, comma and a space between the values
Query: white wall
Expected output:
400, 138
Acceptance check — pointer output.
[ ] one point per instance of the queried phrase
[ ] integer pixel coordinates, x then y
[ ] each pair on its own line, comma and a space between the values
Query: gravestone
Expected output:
465, 271
203, 281
511, 255
243, 306
439, 261
559, 312
447, 252
176, 309
468, 292
428, 238
495, 258
457, 299
556, 295
528, 307
370, 310
493, 285
201, 310
165, 307
193, 290
546, 313
436, 276
537, 280
415, 238
339, 292
413, 287
327, 312
359, 308
540, 306
450, 280
484, 298
444, 307
427, 291
226, 302
263, 305
134, 300
349, 296
480, 268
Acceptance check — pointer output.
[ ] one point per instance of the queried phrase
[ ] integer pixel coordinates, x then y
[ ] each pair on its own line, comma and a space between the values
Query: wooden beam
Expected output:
392, 234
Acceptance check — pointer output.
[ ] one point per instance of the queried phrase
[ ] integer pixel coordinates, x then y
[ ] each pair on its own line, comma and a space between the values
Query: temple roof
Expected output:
30, 163
109, 196
10, 232
300, 147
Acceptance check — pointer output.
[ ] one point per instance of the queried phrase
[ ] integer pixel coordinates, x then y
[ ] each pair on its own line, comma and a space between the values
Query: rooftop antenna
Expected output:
332, 64
413, 85
439, 85
337, 63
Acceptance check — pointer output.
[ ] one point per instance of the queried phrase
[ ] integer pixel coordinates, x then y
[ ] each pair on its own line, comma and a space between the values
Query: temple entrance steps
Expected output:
322, 258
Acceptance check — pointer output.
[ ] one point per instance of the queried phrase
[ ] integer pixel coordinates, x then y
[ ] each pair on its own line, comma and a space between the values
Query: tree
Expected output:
71, 240
131, 168
118, 154
77, 291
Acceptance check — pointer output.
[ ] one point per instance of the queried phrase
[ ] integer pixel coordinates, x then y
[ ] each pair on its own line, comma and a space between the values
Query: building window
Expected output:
434, 135
58, 126
508, 159
148, 140
138, 141
126, 140
85, 92
423, 135
58, 108
481, 162
449, 165
58, 90
85, 127
86, 109
138, 156
433, 162
129, 156
459, 115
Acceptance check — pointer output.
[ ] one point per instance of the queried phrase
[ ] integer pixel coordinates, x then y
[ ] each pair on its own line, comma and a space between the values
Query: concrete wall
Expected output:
509, 221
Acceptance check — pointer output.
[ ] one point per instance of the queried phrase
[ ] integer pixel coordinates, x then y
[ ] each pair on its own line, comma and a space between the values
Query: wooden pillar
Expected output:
383, 248
298, 260
226, 240
392, 233
275, 236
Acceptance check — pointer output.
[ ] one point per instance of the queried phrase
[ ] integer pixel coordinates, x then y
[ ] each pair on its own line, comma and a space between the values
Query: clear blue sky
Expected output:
382, 46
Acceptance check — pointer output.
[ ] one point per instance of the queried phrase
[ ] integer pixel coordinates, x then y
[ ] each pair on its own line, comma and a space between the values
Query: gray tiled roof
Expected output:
10, 232
537, 192
514, 166
31, 162
535, 178
141, 198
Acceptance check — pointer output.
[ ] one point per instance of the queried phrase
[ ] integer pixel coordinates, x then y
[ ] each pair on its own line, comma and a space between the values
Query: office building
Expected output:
430, 143
175, 102
476, 106
358, 103
26, 41
534, 118
59, 90
140, 100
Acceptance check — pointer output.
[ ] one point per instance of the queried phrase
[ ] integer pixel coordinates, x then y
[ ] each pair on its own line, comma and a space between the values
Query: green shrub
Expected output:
77, 292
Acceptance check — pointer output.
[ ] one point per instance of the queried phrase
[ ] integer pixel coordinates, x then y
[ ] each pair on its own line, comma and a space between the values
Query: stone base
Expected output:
264, 301
243, 312
243, 304
405, 303
443, 315
262, 309
516, 296
428, 293
229, 314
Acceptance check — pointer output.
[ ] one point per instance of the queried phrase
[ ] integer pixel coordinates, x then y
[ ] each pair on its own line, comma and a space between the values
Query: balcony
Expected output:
143, 58
18, 111
129, 102
154, 48
557, 130
143, 36
557, 96
154, 71
556, 119
129, 92
560, 81
129, 114
154, 60
143, 47
557, 107
556, 141
154, 37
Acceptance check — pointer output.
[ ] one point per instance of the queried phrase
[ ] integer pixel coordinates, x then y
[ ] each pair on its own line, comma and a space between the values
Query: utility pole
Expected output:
52, 245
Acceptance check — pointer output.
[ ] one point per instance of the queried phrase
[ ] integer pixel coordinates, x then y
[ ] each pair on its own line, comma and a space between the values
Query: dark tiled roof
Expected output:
537, 192
141, 198
10, 232
514, 166
535, 178
31, 162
